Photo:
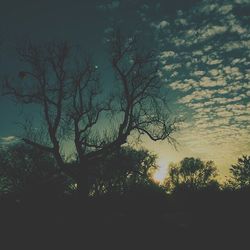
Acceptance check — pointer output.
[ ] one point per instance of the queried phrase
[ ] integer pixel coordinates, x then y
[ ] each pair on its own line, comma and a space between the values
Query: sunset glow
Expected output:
161, 173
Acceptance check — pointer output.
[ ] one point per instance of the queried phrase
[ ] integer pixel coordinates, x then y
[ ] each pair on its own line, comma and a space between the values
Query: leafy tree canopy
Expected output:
240, 173
192, 173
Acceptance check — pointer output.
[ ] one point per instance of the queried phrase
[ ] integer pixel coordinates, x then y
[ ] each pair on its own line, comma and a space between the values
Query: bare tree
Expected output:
75, 108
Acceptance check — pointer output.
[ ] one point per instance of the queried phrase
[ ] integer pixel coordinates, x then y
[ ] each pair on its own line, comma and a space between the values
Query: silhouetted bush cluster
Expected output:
21, 165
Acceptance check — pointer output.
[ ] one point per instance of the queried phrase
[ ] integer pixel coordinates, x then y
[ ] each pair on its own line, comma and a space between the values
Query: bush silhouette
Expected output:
192, 174
240, 173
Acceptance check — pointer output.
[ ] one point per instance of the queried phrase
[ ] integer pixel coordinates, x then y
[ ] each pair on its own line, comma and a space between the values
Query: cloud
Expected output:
166, 54
206, 58
180, 86
236, 45
225, 9
199, 73
196, 96
241, 1
109, 6
213, 61
163, 24
212, 30
8, 140
171, 66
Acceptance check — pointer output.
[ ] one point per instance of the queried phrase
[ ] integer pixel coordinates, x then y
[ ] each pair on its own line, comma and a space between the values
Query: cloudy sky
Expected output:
203, 46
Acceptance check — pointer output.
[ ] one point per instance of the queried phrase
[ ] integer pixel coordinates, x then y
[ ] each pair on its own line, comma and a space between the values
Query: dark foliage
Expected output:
240, 173
123, 170
192, 174
25, 169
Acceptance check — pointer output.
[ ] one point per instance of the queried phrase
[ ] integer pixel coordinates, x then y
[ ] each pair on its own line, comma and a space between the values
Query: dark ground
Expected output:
186, 221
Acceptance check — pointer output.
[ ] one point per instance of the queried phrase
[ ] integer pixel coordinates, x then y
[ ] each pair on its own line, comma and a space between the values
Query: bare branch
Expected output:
72, 101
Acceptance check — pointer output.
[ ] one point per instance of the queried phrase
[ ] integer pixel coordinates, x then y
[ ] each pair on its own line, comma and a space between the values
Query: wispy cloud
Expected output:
8, 140
109, 6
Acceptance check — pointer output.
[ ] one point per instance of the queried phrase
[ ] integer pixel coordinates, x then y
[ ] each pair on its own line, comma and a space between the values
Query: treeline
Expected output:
24, 169
125, 204
195, 174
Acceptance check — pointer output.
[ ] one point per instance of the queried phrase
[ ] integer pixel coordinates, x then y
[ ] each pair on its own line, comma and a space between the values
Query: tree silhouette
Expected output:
75, 108
191, 173
123, 170
23, 167
240, 173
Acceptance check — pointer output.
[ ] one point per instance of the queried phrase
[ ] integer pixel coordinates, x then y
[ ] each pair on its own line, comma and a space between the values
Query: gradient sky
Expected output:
204, 48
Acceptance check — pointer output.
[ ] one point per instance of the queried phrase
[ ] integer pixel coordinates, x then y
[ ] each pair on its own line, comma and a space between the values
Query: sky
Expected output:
203, 47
